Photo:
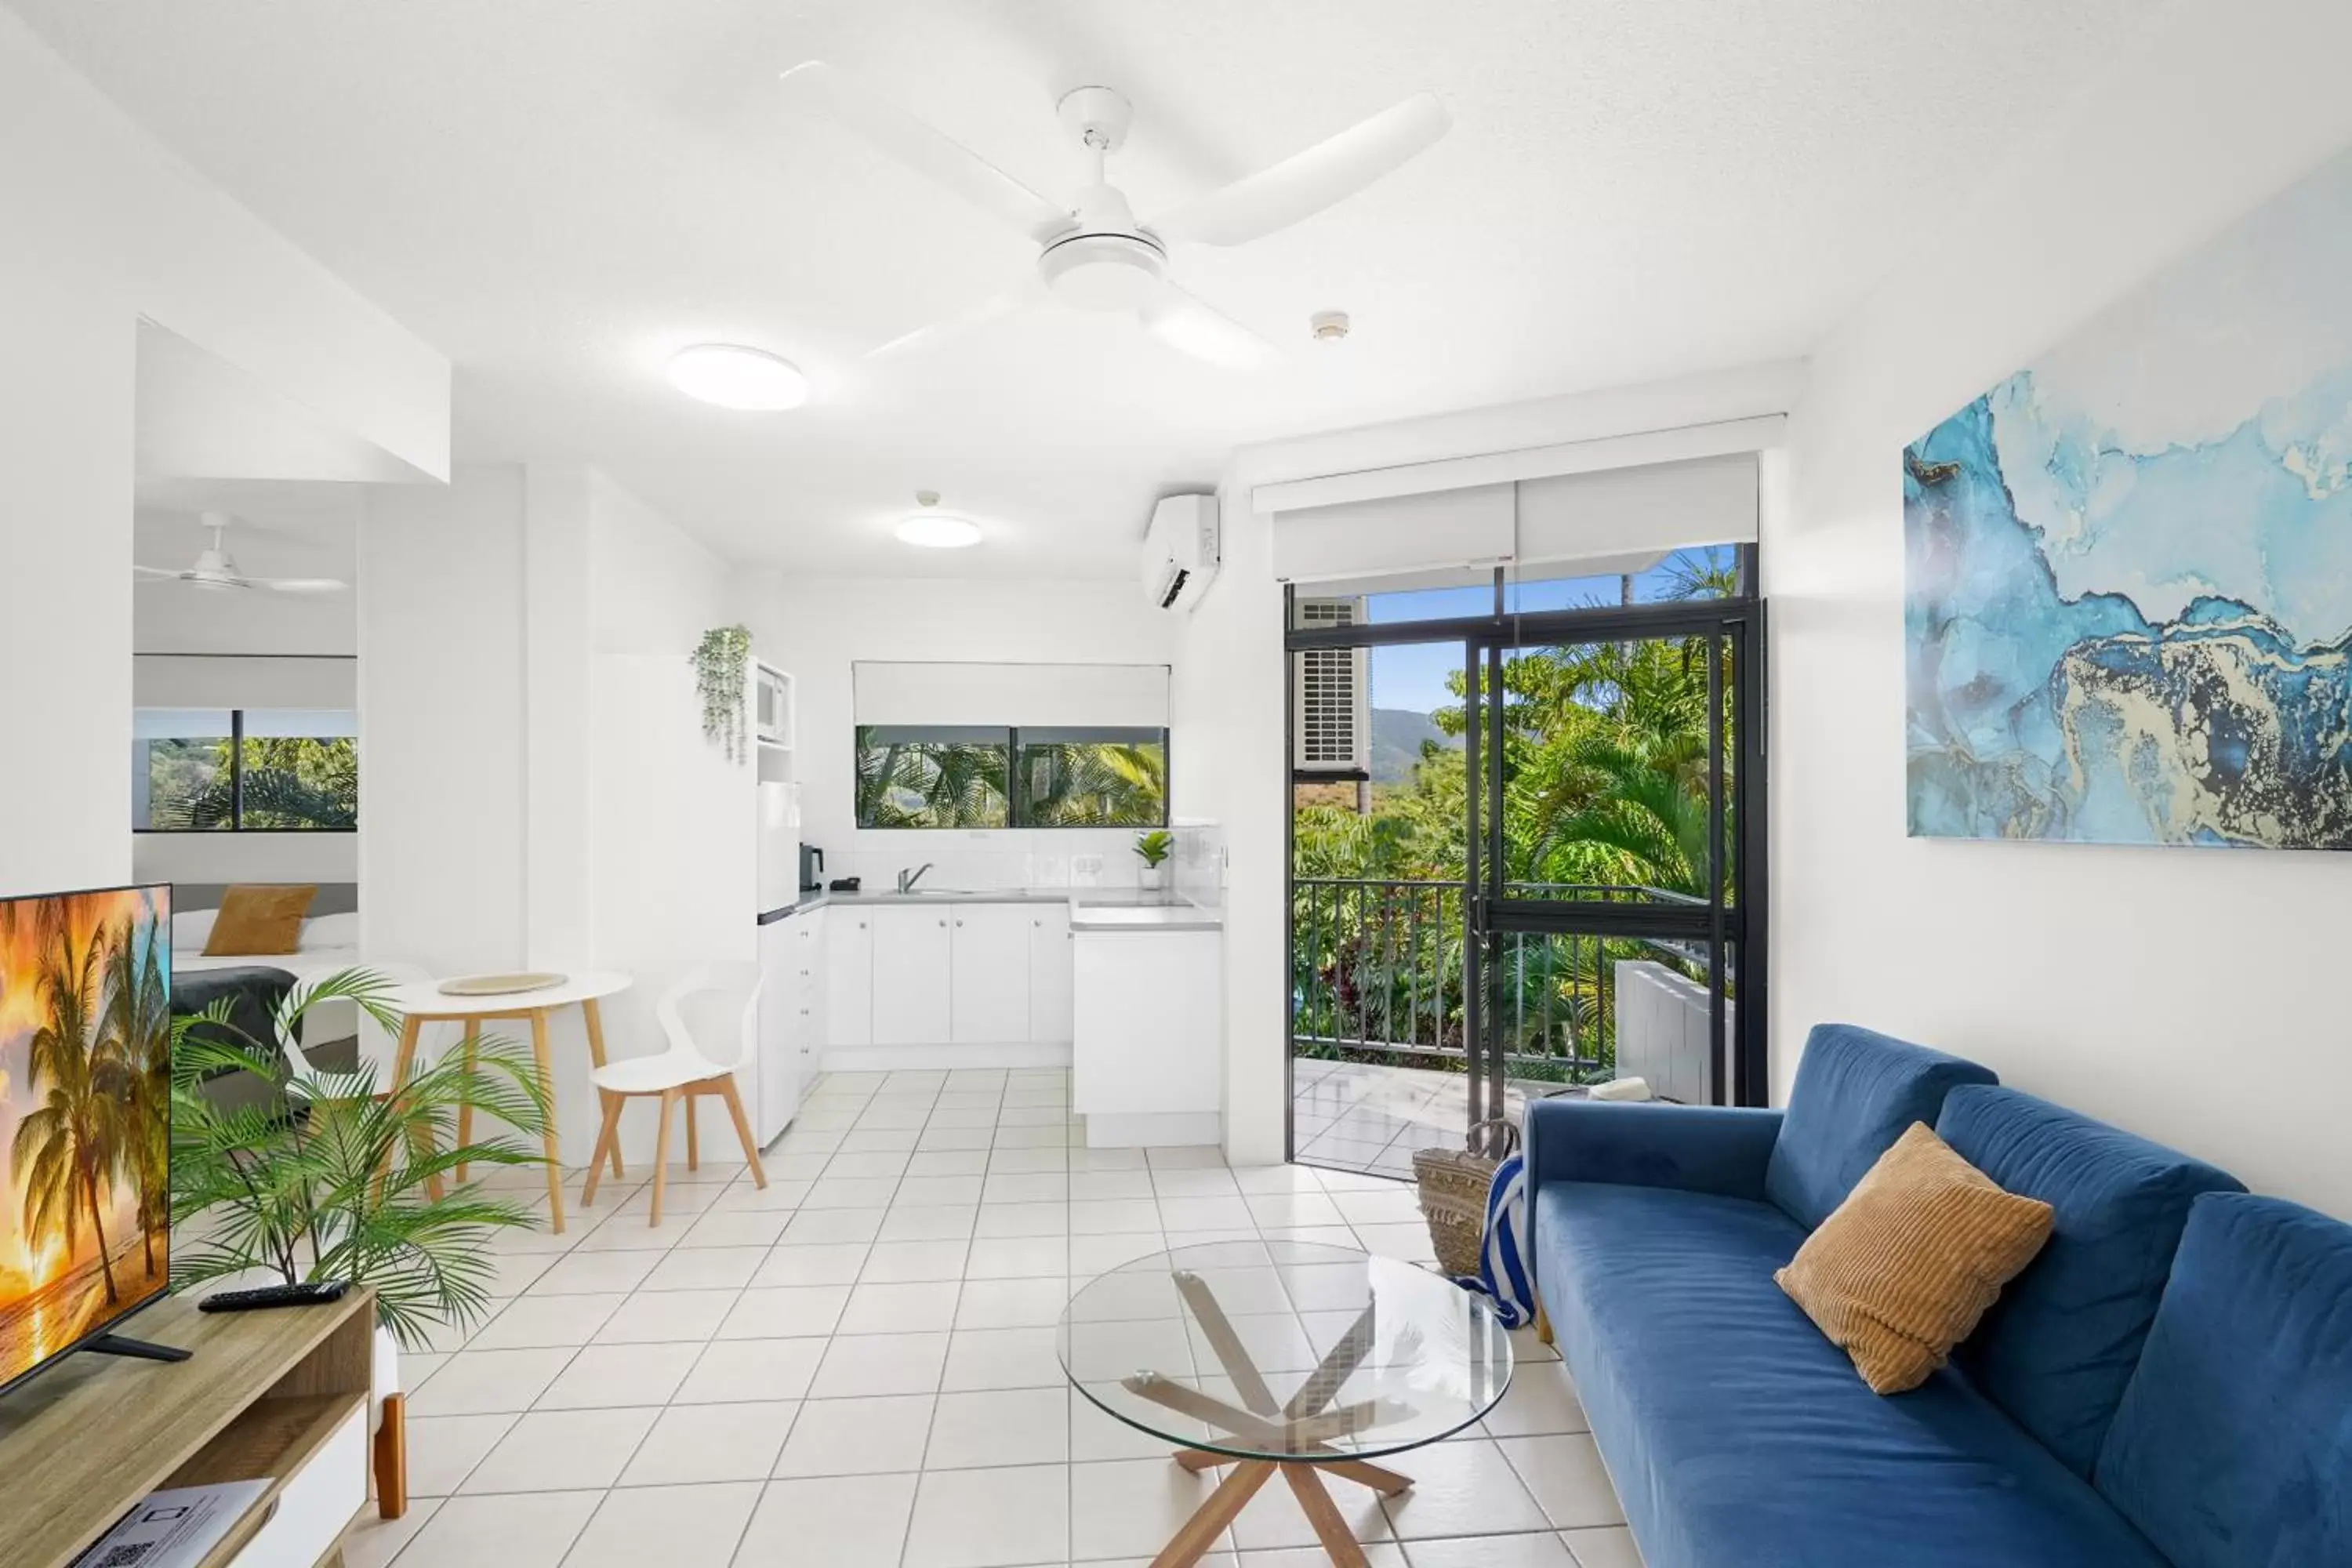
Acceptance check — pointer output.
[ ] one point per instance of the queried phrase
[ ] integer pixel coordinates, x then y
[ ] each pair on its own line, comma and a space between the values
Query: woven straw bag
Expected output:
1454, 1184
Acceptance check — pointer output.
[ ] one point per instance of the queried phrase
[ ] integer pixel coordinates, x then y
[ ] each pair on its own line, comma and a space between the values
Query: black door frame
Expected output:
1738, 1067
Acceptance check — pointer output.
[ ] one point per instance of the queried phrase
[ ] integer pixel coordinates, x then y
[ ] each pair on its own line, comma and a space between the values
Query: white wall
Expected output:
2194, 997
105, 227
503, 625
442, 722
816, 629
1229, 678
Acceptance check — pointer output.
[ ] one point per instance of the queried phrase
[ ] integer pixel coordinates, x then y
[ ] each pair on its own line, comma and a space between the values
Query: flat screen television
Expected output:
85, 1117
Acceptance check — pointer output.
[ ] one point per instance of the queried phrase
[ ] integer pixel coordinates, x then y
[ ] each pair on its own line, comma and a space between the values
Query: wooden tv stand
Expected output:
281, 1394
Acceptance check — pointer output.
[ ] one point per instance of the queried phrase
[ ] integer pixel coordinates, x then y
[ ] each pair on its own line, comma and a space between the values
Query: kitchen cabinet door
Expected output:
1049, 972
990, 974
910, 986
811, 977
849, 1004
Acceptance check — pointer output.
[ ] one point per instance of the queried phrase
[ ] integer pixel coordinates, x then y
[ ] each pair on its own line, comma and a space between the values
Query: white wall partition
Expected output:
2191, 995
105, 227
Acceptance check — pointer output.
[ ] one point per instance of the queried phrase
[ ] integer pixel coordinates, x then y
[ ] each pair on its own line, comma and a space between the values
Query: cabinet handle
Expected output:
943, 925
959, 925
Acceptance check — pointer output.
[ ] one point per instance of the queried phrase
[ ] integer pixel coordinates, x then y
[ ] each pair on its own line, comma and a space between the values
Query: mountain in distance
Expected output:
1397, 735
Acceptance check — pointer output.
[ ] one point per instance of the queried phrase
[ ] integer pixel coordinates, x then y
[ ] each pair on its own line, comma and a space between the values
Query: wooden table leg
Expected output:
1388, 1483
470, 1054
1225, 1505
554, 1146
593, 1016
1330, 1526
693, 1140
608, 1134
392, 1458
402, 1057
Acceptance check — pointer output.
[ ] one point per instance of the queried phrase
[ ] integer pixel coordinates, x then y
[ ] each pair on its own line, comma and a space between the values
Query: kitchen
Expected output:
911, 918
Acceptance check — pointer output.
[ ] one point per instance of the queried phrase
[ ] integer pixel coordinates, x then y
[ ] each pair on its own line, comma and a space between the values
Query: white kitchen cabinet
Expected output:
911, 964
1050, 976
990, 974
1147, 1059
848, 953
811, 977
772, 1086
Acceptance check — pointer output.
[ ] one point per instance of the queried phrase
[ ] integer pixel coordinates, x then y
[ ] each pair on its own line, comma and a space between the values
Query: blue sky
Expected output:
1413, 675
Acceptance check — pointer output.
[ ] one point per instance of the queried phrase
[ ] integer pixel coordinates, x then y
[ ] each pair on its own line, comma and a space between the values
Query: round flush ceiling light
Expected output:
734, 376
936, 529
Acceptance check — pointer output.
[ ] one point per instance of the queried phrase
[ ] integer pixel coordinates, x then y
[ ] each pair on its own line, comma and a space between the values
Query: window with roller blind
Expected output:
934, 748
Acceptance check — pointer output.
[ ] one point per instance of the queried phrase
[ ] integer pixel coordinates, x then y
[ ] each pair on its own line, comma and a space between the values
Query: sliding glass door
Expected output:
1561, 888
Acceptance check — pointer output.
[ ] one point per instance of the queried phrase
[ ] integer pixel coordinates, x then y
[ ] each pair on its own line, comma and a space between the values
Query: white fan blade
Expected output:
1300, 186
1011, 303
1186, 324
155, 571
926, 151
298, 585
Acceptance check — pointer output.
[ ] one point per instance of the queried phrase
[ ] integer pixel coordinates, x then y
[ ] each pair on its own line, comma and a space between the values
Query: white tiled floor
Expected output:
1362, 1116
856, 1368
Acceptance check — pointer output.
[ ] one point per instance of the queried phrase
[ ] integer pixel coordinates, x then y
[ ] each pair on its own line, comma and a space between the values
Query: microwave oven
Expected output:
771, 706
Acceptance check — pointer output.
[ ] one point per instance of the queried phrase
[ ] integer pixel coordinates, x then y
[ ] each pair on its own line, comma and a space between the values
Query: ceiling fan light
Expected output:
938, 531
732, 376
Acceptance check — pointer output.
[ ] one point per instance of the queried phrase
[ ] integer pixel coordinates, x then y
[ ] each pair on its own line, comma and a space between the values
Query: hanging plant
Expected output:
723, 662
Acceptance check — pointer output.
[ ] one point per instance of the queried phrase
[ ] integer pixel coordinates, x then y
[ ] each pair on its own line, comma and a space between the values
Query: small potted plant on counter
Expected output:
1154, 847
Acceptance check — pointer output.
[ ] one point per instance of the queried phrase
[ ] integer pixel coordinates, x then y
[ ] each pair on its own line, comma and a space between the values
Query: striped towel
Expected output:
1503, 1273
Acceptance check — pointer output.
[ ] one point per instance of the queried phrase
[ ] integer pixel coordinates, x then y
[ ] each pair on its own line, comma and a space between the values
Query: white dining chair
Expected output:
684, 1072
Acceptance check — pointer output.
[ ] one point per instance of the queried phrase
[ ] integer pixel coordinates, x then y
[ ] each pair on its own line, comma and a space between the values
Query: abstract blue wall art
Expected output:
2128, 567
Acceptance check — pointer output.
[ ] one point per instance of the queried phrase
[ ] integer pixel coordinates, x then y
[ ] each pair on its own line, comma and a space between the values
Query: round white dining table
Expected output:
424, 1002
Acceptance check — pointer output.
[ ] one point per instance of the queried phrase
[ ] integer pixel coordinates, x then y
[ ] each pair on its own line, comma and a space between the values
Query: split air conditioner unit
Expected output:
1181, 551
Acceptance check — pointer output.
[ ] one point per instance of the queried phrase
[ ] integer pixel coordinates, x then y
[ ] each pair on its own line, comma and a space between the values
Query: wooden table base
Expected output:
1199, 1536
1302, 1426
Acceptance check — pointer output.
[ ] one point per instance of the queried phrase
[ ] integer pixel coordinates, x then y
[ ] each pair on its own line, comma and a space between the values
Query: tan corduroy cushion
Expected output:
257, 919
1903, 1269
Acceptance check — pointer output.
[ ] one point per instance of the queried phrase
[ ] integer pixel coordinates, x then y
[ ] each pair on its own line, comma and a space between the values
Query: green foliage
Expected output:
1605, 786
722, 663
983, 784
329, 1176
1155, 847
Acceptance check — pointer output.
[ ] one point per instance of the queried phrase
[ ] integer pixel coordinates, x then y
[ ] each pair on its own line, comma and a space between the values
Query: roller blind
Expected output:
226, 680
1442, 536
1031, 696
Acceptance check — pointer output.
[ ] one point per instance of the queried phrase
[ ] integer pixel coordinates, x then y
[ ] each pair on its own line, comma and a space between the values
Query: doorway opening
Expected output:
1520, 859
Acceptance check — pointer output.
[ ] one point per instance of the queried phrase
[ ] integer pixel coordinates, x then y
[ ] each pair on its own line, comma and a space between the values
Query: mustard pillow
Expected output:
257, 919
1900, 1271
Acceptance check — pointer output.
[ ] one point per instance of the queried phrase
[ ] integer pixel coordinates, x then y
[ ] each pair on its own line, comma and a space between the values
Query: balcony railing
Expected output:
1377, 975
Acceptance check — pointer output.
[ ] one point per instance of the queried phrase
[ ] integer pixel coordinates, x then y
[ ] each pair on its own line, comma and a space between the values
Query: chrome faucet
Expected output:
907, 880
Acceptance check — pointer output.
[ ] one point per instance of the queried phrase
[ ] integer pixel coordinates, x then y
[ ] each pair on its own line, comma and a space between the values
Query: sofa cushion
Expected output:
1909, 1262
2233, 1442
1737, 1434
2056, 1350
1855, 1092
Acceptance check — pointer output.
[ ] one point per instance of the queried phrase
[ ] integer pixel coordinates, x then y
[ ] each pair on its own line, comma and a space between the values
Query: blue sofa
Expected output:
2168, 1383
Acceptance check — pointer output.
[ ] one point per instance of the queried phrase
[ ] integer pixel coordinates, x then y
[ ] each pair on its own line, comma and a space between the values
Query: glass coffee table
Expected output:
1284, 1356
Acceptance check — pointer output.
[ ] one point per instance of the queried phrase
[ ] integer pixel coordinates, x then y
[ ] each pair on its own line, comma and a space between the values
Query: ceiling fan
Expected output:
216, 569
1094, 253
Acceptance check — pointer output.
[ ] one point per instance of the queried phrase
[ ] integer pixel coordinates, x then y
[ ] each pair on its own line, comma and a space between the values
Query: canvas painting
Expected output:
85, 1115
2128, 572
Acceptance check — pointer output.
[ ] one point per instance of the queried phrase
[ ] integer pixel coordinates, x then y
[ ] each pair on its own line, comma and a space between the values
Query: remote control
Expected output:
309, 1295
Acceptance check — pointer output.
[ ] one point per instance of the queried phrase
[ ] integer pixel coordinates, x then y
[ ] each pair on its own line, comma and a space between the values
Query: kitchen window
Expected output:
983, 776
262, 770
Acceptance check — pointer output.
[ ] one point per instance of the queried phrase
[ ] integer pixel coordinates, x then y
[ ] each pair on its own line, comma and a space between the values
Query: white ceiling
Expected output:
556, 194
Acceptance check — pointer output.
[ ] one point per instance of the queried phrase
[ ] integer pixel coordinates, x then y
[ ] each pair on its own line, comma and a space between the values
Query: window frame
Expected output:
1016, 813
235, 822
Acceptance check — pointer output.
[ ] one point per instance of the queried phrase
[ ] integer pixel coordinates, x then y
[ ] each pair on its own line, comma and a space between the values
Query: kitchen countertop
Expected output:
1091, 909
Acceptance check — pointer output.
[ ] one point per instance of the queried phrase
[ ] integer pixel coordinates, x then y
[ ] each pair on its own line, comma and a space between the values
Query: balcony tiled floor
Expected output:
1354, 1116
856, 1368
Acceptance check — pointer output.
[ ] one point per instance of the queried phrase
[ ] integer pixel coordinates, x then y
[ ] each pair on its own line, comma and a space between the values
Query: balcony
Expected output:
1377, 1023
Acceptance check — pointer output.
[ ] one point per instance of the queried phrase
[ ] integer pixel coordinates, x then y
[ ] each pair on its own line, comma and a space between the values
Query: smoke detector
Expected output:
1328, 326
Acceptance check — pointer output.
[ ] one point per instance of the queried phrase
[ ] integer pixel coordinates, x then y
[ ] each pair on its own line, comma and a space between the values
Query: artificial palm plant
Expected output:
331, 1176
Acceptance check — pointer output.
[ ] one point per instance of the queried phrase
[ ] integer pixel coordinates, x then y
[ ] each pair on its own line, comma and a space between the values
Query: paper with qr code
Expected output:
173, 1529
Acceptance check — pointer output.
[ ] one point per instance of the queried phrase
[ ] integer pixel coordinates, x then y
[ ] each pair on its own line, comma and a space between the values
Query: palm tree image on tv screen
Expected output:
85, 1118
